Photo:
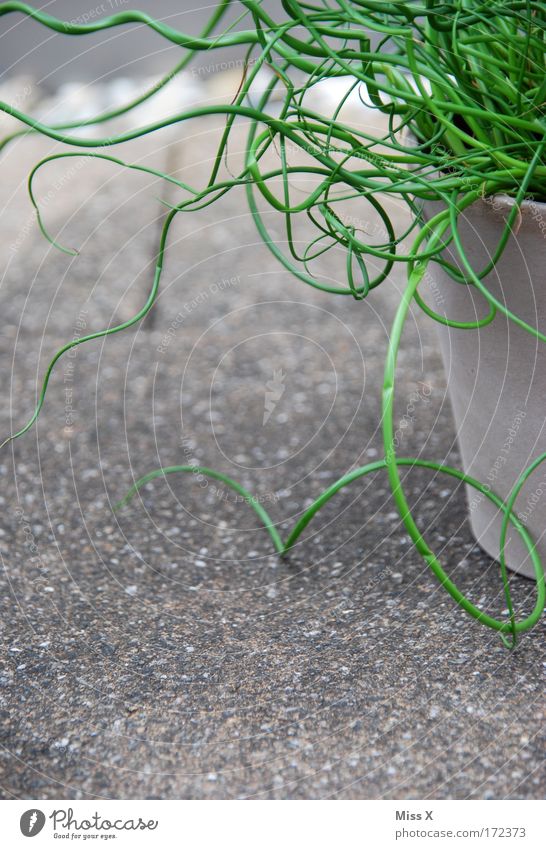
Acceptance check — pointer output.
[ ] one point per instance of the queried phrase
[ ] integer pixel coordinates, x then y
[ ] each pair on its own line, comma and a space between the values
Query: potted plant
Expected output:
461, 89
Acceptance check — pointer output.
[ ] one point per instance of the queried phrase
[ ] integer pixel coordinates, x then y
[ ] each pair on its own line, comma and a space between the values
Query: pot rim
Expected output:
532, 213
507, 201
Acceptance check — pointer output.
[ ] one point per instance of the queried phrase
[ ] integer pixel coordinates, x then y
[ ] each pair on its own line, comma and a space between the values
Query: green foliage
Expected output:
460, 87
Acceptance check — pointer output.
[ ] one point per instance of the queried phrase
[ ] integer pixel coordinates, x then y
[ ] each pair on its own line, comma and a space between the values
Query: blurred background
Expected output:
132, 50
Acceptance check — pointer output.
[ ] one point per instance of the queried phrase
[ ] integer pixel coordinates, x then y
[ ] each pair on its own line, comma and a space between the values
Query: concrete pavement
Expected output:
166, 651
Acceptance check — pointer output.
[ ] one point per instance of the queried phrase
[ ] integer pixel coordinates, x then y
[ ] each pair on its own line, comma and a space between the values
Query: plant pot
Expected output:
496, 375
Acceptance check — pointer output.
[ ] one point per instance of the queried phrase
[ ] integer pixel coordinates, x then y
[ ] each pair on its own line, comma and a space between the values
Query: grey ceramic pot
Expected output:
497, 375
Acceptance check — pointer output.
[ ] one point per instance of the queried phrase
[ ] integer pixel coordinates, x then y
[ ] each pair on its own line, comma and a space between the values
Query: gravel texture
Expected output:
165, 651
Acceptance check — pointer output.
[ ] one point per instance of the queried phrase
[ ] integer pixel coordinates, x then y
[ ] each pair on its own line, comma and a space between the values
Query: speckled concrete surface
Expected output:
165, 652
